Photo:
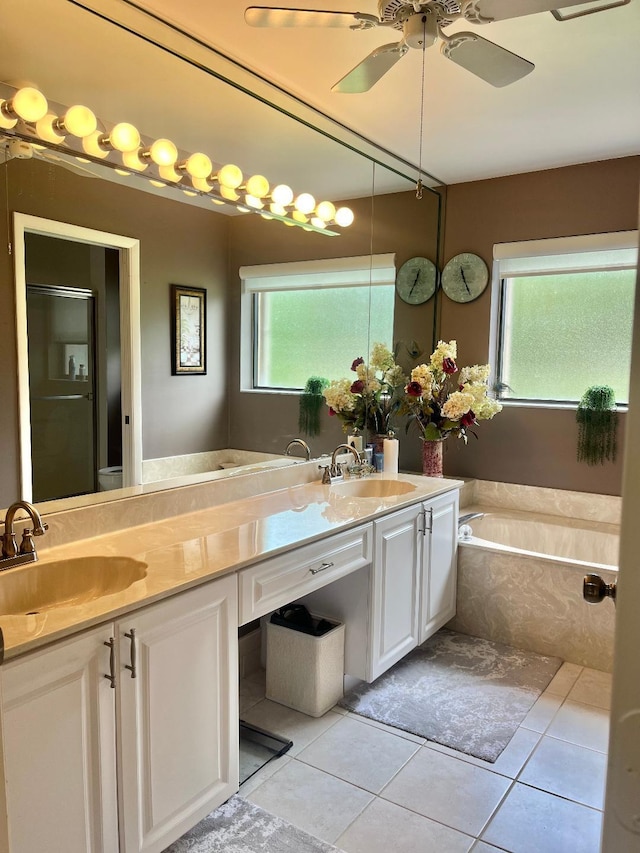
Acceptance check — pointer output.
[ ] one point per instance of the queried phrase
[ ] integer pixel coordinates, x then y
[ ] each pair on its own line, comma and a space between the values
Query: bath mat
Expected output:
460, 691
240, 827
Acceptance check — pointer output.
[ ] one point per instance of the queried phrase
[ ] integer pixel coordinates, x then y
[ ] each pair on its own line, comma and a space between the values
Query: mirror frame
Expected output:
130, 338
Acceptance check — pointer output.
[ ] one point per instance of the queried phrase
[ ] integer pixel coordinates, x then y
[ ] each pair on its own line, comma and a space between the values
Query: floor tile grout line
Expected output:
485, 825
559, 796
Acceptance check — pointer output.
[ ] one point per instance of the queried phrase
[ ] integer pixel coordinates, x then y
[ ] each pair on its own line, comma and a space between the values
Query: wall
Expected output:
180, 244
526, 445
397, 222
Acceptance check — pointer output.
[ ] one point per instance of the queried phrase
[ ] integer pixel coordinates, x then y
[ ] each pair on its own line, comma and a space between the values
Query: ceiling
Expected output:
580, 104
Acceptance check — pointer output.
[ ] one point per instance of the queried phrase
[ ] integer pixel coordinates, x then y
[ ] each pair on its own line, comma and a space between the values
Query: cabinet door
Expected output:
59, 748
439, 564
178, 718
395, 583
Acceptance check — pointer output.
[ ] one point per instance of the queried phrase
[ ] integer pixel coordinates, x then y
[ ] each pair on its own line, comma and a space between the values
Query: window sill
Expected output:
550, 404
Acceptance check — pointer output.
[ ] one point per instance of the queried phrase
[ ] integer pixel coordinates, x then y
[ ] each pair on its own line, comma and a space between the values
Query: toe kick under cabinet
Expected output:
92, 768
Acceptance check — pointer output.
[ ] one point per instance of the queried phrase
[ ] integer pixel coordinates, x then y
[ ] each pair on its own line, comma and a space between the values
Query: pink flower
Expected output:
467, 419
449, 365
356, 362
357, 387
414, 389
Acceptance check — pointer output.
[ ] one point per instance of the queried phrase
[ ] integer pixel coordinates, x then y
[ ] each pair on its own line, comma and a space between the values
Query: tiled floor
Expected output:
368, 788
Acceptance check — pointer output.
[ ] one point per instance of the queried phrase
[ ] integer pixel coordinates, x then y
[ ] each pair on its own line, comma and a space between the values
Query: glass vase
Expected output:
432, 458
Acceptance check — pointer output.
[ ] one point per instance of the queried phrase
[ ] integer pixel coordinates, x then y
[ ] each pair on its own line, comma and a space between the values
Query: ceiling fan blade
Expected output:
485, 59
367, 73
483, 11
263, 16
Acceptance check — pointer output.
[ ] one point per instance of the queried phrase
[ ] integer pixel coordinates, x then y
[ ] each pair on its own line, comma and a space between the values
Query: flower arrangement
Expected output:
441, 404
369, 400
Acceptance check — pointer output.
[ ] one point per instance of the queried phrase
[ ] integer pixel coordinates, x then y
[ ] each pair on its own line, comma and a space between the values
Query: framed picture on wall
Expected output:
188, 330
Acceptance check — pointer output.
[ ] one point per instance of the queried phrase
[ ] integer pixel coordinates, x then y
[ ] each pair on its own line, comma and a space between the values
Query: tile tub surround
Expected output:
221, 530
533, 603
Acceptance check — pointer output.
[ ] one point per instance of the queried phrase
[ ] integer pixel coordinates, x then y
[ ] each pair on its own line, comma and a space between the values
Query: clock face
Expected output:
416, 280
465, 277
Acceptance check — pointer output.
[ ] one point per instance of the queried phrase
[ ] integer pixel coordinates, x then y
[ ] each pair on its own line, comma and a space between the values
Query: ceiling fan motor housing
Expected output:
421, 30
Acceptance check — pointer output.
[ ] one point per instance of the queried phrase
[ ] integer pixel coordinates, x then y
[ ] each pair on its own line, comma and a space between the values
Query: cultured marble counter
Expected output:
187, 550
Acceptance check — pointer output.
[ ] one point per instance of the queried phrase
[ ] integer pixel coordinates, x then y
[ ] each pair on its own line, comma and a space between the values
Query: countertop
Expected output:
191, 549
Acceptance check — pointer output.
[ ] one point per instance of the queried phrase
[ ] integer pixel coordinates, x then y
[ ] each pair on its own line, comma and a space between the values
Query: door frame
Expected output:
131, 391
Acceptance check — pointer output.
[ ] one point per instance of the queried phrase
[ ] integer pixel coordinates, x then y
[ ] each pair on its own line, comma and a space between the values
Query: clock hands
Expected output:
465, 280
414, 283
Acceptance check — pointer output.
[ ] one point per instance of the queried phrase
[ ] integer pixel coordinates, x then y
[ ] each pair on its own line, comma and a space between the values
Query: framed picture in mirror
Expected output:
188, 330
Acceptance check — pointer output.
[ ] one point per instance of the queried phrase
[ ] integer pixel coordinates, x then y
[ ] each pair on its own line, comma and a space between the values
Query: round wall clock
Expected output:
465, 277
416, 280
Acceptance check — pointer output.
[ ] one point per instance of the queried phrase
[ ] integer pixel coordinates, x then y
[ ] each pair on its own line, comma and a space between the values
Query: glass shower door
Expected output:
61, 338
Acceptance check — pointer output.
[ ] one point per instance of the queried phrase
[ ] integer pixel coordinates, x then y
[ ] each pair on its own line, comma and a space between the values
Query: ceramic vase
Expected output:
432, 458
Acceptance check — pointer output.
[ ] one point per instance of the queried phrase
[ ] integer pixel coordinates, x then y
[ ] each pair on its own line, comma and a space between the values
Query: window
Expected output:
312, 318
562, 317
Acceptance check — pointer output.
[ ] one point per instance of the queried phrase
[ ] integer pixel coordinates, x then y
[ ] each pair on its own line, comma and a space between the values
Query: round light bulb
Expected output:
228, 193
46, 128
278, 209
168, 173
258, 186
79, 121
289, 224
317, 222
163, 152
190, 193
157, 183
344, 217
305, 203
326, 211
282, 195
266, 216
252, 201
122, 172
131, 160
298, 216
243, 209
198, 166
92, 145
6, 120
123, 137
217, 201
230, 176
28, 104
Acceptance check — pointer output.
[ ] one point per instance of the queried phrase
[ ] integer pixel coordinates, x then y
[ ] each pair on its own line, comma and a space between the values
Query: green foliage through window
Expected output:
563, 333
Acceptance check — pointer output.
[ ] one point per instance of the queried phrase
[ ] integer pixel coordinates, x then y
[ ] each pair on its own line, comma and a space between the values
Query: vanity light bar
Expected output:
75, 131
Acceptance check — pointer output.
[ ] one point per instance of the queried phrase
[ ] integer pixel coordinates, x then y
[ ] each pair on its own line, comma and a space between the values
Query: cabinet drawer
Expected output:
280, 580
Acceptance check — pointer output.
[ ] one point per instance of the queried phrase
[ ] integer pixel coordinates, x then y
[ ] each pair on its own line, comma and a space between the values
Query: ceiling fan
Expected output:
422, 25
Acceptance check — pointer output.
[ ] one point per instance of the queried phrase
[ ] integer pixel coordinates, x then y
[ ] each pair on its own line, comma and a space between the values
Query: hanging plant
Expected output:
597, 425
311, 404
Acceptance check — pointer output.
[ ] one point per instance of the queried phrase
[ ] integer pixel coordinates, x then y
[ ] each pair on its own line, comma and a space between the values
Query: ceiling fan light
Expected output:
305, 203
325, 211
344, 217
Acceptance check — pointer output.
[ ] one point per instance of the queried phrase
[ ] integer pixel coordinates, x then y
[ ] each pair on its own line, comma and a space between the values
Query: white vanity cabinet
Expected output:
171, 731
413, 583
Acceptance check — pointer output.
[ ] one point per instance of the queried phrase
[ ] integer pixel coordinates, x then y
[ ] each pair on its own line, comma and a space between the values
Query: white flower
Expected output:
484, 407
442, 351
479, 373
458, 404
338, 396
394, 377
381, 358
423, 375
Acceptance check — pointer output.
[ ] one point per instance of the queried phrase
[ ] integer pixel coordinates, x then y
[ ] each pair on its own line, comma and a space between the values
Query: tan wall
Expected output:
180, 244
398, 223
524, 445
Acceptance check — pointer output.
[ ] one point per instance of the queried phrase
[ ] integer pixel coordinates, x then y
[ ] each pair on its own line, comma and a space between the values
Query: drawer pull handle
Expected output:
110, 644
131, 635
322, 568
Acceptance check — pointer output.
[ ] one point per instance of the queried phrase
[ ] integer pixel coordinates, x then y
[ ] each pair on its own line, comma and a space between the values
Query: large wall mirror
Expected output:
75, 56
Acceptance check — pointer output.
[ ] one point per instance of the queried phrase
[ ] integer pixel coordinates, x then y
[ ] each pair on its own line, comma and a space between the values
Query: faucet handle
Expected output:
27, 546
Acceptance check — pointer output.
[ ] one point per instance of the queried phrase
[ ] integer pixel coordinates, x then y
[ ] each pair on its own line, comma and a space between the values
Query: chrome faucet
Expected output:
333, 471
465, 519
301, 443
11, 554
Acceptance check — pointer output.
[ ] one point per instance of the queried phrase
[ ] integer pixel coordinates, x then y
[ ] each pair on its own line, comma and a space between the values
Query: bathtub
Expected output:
520, 582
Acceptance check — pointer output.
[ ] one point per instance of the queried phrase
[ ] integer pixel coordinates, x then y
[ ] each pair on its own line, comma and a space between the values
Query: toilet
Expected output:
110, 478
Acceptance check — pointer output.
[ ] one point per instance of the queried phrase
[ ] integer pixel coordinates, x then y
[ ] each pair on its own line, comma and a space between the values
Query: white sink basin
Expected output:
42, 586
373, 488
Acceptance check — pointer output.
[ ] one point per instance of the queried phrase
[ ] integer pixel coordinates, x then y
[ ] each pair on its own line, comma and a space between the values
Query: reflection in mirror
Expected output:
189, 241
